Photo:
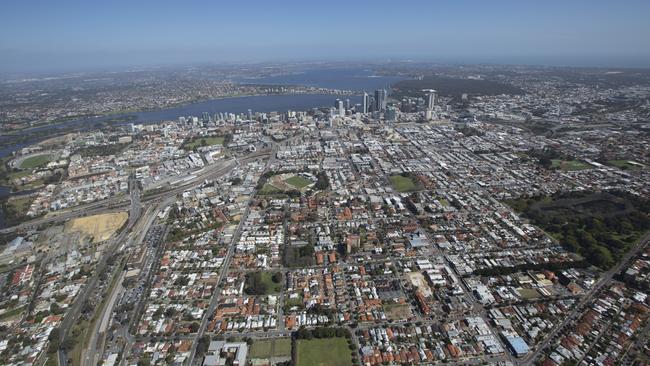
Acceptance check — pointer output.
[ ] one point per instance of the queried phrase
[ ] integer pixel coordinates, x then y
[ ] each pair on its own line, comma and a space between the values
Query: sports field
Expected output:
323, 352
35, 161
403, 184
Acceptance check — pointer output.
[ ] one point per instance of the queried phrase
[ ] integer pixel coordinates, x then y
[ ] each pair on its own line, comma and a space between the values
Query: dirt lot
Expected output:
97, 227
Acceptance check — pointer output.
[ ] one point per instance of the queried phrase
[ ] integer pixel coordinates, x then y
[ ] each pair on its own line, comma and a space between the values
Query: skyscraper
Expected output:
365, 103
430, 99
380, 99
340, 107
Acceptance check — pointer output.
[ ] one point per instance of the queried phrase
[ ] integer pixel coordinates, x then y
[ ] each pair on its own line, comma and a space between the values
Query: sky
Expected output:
68, 35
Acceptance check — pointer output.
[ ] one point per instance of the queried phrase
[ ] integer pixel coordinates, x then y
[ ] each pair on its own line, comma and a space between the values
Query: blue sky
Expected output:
51, 35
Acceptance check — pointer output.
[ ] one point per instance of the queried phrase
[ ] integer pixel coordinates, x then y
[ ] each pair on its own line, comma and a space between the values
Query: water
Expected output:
342, 79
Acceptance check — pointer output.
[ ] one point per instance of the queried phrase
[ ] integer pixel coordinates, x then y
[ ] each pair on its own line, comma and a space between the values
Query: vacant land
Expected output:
35, 161
271, 348
98, 227
203, 141
398, 311
323, 352
569, 165
402, 183
298, 181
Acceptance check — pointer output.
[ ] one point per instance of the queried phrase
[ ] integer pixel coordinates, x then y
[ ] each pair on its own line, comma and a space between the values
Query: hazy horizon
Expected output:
74, 35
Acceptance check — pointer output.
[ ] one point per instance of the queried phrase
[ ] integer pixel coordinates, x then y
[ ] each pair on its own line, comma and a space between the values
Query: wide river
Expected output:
333, 78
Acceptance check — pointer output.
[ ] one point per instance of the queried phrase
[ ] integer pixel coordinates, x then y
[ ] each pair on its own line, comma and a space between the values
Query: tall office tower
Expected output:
347, 104
430, 98
206, 117
365, 103
391, 114
380, 99
340, 107
250, 114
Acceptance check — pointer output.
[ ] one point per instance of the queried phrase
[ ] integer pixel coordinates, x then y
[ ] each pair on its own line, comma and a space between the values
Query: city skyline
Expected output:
70, 35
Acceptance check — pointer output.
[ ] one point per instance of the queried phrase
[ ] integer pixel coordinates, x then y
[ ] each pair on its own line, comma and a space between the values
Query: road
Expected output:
75, 310
222, 276
605, 279
120, 202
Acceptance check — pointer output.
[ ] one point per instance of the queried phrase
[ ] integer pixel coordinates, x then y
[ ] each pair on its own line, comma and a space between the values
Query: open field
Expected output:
35, 161
204, 141
626, 164
20, 205
269, 348
569, 165
298, 181
269, 189
98, 227
323, 352
398, 311
261, 283
403, 184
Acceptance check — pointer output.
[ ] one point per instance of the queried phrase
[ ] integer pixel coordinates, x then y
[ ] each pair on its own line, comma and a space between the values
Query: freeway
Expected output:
120, 202
573, 315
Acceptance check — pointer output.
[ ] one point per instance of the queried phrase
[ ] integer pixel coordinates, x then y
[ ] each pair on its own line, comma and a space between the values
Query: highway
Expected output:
160, 199
121, 202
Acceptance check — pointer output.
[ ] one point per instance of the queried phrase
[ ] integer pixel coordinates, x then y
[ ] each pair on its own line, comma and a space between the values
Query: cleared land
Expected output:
270, 348
35, 161
569, 165
323, 352
98, 227
204, 141
402, 183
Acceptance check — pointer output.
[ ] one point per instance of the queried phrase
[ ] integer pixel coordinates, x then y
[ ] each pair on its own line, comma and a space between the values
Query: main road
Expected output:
605, 279
120, 202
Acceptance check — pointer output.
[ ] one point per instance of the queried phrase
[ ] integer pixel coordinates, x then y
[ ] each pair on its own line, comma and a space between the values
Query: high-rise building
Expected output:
250, 114
391, 114
430, 99
347, 104
380, 99
366, 103
340, 107
206, 117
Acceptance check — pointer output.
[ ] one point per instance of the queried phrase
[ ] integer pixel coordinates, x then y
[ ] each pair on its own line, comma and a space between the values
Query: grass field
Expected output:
20, 205
626, 164
403, 184
35, 161
569, 165
298, 181
268, 348
98, 227
269, 189
204, 141
323, 352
